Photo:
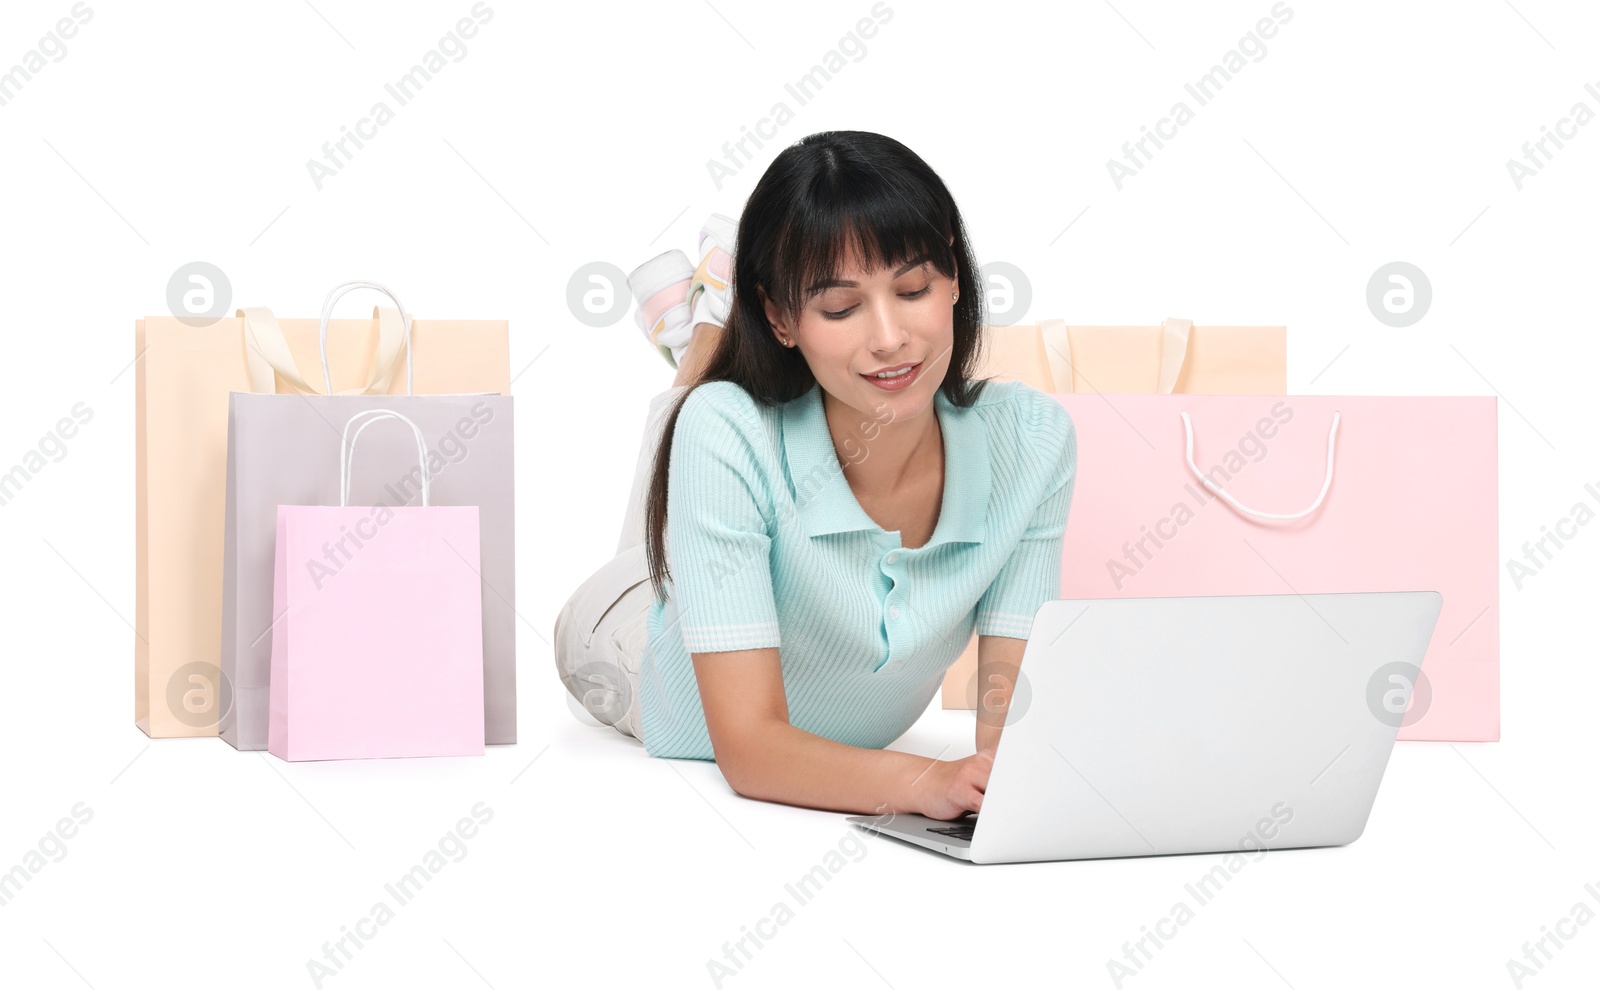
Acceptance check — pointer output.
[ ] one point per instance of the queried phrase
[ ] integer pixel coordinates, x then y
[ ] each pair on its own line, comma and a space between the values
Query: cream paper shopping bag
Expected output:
1176, 357
182, 379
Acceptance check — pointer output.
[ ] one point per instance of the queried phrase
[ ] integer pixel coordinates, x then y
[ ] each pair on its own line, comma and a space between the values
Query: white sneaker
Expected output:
660, 287
710, 295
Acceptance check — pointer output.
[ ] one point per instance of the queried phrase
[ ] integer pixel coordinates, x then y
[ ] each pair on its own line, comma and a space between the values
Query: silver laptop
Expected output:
1154, 726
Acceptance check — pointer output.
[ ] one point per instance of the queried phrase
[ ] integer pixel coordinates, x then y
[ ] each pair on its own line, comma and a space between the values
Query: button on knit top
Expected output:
768, 546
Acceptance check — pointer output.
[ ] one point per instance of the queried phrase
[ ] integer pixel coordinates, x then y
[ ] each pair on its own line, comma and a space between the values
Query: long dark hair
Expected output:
821, 195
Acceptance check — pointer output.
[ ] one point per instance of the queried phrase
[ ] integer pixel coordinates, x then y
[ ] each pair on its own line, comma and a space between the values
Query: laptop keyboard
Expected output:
955, 831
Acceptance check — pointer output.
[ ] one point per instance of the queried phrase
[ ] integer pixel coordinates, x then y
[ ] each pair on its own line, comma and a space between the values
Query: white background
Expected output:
568, 134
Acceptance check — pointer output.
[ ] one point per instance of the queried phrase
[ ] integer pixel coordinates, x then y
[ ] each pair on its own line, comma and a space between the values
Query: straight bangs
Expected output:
850, 212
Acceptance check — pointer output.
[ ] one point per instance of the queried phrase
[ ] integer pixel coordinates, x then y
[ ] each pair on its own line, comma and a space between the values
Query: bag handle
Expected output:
348, 449
1058, 354
267, 350
1174, 352
1188, 432
388, 347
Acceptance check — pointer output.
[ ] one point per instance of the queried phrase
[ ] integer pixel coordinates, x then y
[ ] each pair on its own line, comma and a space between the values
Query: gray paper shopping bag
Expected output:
279, 447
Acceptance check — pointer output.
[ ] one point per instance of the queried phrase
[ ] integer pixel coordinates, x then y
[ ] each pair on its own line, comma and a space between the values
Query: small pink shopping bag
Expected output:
377, 647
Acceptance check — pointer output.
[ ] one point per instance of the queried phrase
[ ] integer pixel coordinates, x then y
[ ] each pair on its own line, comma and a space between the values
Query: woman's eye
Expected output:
841, 314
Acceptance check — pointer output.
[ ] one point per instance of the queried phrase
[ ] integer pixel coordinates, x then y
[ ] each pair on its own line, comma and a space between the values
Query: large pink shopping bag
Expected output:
1234, 495
377, 640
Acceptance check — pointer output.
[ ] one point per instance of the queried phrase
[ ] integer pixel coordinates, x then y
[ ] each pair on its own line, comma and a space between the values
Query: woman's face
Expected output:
864, 322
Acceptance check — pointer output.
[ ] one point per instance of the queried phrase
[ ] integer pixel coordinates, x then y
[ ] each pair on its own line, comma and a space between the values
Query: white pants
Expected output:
601, 632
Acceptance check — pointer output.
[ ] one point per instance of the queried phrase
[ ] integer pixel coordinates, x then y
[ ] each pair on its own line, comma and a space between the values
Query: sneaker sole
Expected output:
721, 232
658, 273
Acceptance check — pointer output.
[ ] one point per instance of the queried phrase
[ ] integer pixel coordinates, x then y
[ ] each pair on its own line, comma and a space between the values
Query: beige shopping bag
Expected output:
182, 379
1176, 357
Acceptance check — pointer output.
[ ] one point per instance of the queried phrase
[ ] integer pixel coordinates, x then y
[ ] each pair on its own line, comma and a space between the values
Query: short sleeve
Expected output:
718, 536
1032, 574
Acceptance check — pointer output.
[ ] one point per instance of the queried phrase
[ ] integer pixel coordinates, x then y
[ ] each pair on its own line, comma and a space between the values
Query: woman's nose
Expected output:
885, 335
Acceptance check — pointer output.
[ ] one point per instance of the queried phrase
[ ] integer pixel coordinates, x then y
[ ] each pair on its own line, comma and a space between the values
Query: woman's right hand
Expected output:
954, 787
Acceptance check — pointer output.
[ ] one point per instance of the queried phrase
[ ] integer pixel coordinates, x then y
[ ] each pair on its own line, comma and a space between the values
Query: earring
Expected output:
954, 296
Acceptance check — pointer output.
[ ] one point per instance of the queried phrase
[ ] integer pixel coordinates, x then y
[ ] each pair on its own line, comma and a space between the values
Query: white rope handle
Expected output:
347, 456
339, 292
1188, 432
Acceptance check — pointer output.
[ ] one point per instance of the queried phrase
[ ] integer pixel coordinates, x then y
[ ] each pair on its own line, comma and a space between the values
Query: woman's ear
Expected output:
775, 320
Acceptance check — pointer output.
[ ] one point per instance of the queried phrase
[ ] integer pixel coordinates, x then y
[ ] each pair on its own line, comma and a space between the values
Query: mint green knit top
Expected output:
768, 546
